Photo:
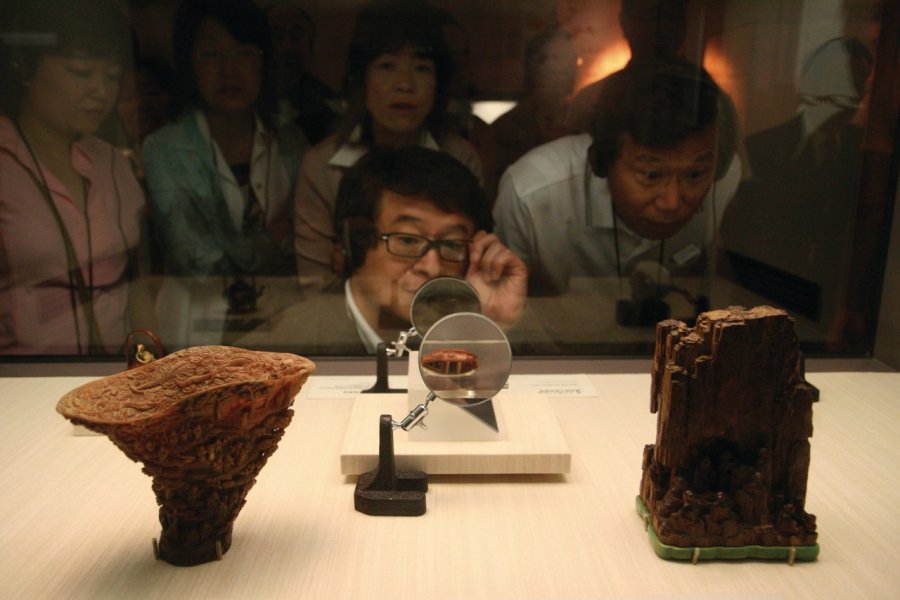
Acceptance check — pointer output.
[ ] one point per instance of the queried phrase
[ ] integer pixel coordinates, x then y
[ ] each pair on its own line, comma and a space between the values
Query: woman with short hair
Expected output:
397, 78
70, 206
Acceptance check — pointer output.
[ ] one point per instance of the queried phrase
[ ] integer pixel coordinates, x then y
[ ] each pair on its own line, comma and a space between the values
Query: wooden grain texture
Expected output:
78, 516
729, 466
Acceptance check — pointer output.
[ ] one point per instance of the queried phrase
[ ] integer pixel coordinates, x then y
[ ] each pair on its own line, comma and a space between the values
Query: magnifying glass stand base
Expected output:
532, 441
385, 491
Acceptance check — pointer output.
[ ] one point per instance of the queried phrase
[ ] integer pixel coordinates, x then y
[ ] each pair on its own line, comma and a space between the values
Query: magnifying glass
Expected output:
465, 360
437, 298
440, 297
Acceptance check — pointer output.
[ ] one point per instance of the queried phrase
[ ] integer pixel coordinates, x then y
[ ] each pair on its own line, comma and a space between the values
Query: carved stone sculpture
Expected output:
727, 475
203, 421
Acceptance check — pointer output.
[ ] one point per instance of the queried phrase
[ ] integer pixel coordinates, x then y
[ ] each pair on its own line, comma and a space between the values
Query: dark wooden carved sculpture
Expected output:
727, 475
203, 421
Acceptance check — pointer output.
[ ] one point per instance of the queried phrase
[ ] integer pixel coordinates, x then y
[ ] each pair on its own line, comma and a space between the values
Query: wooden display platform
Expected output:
532, 441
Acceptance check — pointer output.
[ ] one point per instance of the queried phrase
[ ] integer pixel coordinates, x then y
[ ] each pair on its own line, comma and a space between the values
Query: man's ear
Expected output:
598, 161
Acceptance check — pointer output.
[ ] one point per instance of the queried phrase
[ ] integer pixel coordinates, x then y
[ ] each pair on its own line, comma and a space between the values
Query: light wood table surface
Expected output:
77, 517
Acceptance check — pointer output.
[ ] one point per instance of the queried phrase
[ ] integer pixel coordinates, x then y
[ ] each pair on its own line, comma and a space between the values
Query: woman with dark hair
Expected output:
70, 206
220, 178
398, 73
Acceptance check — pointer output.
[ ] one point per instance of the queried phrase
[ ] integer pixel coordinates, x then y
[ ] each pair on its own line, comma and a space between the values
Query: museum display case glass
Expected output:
807, 229
571, 399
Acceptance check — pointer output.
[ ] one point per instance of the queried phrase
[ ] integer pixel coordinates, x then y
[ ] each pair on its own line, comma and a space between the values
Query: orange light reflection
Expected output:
612, 59
618, 54
719, 67
722, 72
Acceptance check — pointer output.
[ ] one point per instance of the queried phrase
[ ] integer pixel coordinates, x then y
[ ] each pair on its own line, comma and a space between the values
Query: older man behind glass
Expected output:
647, 184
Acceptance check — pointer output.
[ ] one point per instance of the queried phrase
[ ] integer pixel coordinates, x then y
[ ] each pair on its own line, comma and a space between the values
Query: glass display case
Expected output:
286, 174
801, 220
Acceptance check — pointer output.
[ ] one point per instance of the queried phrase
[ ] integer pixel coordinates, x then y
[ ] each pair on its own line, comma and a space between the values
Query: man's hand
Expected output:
500, 278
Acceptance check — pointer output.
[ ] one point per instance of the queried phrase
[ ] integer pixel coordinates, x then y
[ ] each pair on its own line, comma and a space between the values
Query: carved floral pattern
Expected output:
203, 421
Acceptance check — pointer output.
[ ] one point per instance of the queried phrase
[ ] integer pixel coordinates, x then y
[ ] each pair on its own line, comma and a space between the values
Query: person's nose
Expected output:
104, 87
669, 197
429, 264
403, 79
228, 64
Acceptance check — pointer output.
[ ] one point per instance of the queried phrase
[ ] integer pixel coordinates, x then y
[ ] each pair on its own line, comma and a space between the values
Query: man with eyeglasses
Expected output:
405, 216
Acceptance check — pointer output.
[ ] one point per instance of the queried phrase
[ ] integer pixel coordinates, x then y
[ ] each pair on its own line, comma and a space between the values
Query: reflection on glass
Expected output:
70, 206
440, 297
806, 229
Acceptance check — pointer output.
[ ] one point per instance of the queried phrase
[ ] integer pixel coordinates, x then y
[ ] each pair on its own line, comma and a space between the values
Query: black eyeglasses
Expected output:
409, 245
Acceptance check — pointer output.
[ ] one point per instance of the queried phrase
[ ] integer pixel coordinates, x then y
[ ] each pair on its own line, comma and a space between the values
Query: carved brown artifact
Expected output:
203, 421
727, 475
450, 361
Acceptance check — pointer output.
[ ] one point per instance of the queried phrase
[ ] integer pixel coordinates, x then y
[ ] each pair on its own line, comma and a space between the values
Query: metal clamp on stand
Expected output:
416, 416
382, 386
395, 349
401, 346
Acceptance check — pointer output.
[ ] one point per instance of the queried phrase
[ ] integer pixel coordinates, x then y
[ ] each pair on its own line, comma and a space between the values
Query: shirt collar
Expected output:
9, 138
235, 199
260, 135
82, 160
352, 150
367, 334
598, 201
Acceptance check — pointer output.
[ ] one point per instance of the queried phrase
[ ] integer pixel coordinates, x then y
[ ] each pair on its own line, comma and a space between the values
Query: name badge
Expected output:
686, 255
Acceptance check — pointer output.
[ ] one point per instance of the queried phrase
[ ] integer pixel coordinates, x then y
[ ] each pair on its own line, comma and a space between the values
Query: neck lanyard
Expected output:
589, 221
77, 284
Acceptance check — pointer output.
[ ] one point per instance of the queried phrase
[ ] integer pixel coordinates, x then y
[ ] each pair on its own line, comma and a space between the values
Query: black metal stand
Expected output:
385, 491
381, 374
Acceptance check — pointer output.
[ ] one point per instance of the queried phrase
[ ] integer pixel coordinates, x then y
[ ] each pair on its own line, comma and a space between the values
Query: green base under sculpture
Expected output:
695, 554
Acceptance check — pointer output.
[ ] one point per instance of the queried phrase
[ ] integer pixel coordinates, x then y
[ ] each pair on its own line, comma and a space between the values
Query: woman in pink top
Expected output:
69, 204
398, 72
